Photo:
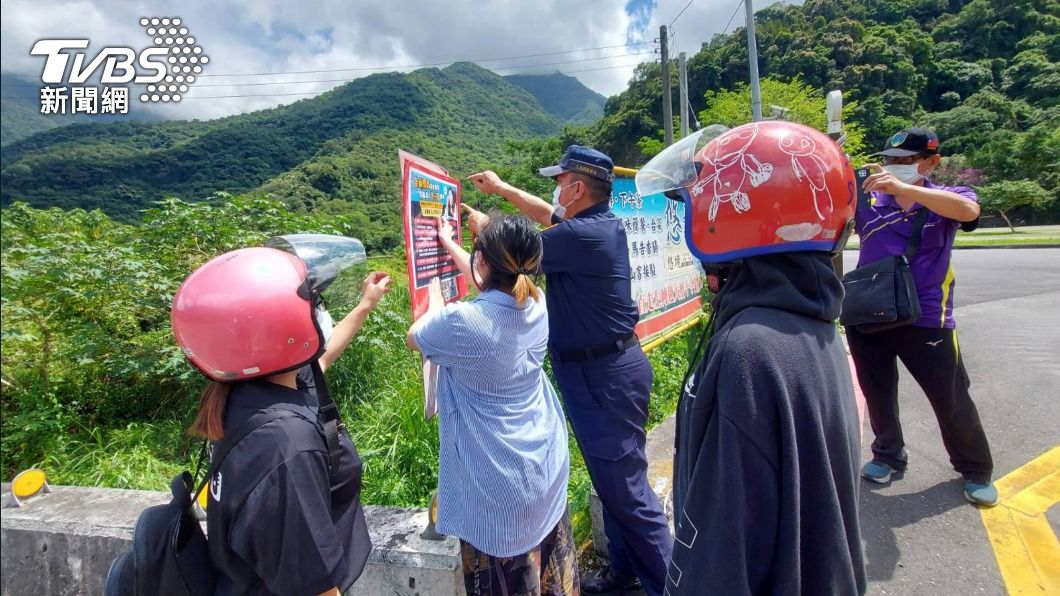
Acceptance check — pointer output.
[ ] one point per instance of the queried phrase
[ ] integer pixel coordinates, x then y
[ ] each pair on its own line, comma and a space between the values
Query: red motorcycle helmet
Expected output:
760, 188
247, 314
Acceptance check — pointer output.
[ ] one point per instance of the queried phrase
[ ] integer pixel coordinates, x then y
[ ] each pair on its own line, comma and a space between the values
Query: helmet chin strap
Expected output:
843, 238
718, 274
721, 272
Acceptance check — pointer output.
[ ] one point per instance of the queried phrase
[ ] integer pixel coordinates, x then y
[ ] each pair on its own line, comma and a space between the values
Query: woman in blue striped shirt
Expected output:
503, 461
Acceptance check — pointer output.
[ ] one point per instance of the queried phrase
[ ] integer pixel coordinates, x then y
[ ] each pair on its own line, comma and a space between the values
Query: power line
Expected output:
682, 12
317, 92
396, 67
521, 66
368, 68
692, 111
726, 29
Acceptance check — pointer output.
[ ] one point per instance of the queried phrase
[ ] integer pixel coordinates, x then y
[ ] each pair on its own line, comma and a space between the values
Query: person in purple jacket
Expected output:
900, 188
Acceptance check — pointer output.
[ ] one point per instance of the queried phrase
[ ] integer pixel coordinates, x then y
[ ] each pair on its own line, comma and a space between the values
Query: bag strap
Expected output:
227, 443
329, 414
330, 420
914, 239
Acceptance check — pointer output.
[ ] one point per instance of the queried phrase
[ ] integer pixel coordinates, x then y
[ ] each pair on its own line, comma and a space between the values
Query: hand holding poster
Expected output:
427, 194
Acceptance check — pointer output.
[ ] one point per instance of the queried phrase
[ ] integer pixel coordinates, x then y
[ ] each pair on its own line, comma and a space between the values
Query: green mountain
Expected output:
985, 74
563, 96
338, 148
20, 115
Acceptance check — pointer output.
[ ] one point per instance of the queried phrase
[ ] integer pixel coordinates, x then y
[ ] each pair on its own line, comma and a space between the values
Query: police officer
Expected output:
603, 374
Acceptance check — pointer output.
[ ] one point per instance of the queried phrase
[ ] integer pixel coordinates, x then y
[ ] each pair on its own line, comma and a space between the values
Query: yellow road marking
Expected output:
1026, 548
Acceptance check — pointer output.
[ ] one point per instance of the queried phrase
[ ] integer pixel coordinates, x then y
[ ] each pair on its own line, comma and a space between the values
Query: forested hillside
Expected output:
563, 96
20, 115
460, 115
983, 73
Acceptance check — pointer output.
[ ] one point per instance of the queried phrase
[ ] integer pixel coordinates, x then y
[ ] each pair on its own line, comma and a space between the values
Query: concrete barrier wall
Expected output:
659, 449
63, 543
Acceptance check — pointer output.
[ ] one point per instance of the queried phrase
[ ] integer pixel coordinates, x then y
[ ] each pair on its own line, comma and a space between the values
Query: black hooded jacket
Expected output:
765, 476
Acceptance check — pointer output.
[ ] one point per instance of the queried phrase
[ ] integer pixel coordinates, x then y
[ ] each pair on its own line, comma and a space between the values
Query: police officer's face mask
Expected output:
559, 208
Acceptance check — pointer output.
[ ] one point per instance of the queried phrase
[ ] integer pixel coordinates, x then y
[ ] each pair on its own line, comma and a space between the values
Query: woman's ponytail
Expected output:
524, 288
511, 245
210, 420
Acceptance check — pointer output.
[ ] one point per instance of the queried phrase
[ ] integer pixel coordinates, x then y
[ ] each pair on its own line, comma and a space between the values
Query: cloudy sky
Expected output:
252, 43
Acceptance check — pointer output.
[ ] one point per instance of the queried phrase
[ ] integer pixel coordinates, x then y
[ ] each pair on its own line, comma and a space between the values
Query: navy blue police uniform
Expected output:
603, 375
279, 521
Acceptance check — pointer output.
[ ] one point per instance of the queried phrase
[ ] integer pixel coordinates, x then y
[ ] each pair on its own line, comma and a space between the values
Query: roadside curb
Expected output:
1003, 246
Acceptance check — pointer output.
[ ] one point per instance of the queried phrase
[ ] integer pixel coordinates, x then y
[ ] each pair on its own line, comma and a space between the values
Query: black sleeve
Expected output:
305, 379
970, 226
726, 533
285, 532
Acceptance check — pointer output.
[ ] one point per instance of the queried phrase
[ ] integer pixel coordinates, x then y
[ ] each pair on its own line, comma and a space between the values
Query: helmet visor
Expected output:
675, 167
336, 264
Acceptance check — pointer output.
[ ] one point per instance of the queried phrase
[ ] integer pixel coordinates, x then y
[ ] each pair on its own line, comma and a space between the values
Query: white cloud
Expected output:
270, 36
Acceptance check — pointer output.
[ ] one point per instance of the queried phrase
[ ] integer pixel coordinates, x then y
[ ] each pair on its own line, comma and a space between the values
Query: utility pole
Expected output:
752, 61
667, 96
682, 80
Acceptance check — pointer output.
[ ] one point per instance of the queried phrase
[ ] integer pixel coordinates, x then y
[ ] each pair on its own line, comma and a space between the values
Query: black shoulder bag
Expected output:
882, 295
170, 554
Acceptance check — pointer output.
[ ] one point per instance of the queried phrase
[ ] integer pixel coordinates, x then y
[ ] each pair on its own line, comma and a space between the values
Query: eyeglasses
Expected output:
905, 161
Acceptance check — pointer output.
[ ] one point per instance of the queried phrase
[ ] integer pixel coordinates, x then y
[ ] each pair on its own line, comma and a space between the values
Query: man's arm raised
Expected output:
533, 207
945, 203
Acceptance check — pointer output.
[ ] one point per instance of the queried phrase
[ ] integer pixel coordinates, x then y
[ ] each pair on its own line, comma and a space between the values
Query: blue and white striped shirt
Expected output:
503, 461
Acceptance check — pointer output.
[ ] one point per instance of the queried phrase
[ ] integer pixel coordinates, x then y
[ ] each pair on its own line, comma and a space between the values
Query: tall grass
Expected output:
139, 455
378, 386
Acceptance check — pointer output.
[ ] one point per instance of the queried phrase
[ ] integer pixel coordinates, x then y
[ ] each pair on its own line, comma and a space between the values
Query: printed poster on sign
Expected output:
666, 279
429, 194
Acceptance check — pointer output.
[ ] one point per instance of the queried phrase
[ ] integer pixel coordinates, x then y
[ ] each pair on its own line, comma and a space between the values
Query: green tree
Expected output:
85, 310
649, 146
806, 105
1035, 76
1006, 195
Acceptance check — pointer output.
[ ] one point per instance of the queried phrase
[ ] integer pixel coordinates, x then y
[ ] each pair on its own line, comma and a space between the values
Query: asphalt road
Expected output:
921, 536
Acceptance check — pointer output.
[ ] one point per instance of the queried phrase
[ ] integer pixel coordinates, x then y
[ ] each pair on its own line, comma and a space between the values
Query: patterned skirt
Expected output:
549, 569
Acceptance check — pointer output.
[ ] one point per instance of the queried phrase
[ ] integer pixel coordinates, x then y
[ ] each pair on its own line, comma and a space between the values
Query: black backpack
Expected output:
170, 555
